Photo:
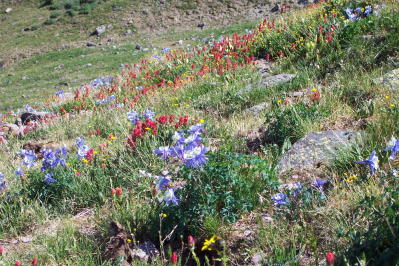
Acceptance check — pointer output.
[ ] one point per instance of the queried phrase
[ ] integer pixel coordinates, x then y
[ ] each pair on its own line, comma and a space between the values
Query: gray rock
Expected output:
315, 150
277, 79
25, 78
128, 32
390, 80
146, 11
91, 44
255, 110
138, 47
100, 30
8, 10
145, 251
257, 259
88, 65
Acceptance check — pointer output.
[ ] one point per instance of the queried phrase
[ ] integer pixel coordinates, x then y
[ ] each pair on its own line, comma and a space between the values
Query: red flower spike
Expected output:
330, 258
173, 258
17, 263
118, 191
113, 191
34, 261
1, 250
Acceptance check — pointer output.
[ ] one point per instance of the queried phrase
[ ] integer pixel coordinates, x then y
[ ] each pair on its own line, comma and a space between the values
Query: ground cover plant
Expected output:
157, 155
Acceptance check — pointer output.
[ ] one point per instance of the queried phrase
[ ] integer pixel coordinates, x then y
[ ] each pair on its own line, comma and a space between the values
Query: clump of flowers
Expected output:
358, 13
85, 153
279, 199
3, 184
28, 158
189, 150
393, 147
210, 244
165, 189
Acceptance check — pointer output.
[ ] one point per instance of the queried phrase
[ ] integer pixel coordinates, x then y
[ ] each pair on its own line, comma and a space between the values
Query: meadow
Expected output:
159, 156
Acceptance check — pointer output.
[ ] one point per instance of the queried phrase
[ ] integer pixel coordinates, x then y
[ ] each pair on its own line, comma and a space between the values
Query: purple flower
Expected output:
29, 158
165, 50
53, 158
149, 114
195, 157
162, 182
3, 184
170, 198
178, 137
193, 140
393, 148
279, 199
133, 116
198, 128
82, 148
59, 93
48, 179
164, 152
372, 162
320, 183
19, 172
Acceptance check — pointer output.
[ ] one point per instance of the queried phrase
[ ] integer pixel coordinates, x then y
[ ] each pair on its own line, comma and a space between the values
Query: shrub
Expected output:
70, 13
55, 14
49, 21
290, 122
227, 186
34, 27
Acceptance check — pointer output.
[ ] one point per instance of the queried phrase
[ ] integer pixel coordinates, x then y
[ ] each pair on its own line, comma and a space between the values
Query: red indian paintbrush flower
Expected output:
34, 261
173, 258
1, 250
330, 258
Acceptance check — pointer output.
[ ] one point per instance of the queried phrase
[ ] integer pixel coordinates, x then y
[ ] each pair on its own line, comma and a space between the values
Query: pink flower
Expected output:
1, 250
173, 258
34, 261
330, 258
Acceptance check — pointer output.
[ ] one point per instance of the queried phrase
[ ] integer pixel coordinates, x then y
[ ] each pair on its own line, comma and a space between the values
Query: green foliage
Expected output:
290, 122
49, 21
377, 244
227, 186
55, 14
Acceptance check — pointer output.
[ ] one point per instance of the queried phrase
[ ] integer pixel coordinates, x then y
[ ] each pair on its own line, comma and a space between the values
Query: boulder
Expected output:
317, 149
8, 10
100, 30
390, 80
255, 110
277, 79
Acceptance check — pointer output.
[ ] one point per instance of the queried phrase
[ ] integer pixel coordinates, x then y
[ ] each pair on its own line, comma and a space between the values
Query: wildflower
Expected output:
48, 179
190, 241
393, 147
169, 197
208, 244
320, 184
372, 162
113, 191
173, 258
133, 117
148, 114
103, 165
165, 50
29, 158
1, 250
34, 261
77, 173
198, 128
195, 157
162, 182
118, 191
279, 199
202, 121
83, 149
163, 215
351, 178
330, 258
17, 263
19, 172
395, 173
164, 152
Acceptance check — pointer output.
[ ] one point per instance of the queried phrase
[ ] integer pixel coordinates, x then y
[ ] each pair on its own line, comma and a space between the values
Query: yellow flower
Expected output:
163, 215
95, 152
387, 97
109, 142
147, 128
104, 159
175, 104
187, 105
209, 243
351, 178
280, 101
129, 240
314, 89
392, 105
21, 198
84, 160
202, 121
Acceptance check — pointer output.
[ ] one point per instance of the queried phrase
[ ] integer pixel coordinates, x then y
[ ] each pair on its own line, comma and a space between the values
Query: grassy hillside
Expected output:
169, 156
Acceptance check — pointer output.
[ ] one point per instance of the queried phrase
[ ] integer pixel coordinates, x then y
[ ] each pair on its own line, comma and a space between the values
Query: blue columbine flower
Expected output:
3, 184
198, 128
19, 172
193, 140
164, 152
170, 198
195, 157
372, 162
367, 10
48, 179
279, 199
157, 57
165, 50
393, 148
53, 158
133, 116
59, 93
29, 158
82, 148
162, 182
320, 183
29, 109
178, 137
148, 114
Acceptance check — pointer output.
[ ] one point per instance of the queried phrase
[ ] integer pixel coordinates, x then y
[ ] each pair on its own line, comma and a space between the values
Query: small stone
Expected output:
25, 78
201, 25
88, 65
146, 11
275, 8
100, 30
91, 44
138, 47
255, 110
257, 259
8, 10
128, 32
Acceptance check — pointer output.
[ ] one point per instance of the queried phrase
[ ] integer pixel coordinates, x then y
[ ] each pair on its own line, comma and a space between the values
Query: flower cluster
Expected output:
357, 13
106, 100
85, 153
189, 151
3, 184
163, 185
